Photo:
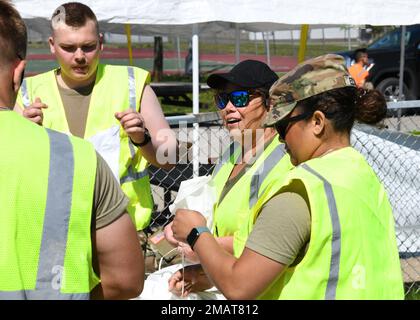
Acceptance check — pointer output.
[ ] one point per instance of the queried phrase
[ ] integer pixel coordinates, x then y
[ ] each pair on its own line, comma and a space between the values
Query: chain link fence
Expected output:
392, 149
211, 139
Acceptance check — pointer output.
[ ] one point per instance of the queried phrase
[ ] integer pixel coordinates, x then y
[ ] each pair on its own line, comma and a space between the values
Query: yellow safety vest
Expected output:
235, 207
117, 88
352, 252
46, 192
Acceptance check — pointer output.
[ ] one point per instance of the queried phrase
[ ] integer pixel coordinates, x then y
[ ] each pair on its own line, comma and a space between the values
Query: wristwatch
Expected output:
147, 139
194, 234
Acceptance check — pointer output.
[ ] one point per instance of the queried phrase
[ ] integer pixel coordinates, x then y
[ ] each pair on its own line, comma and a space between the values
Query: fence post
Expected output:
178, 50
303, 42
130, 48
237, 44
196, 100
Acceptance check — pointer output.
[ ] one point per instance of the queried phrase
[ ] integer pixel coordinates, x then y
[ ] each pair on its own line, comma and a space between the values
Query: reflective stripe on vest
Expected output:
131, 174
272, 170
55, 226
41, 295
233, 210
336, 236
132, 88
263, 171
225, 157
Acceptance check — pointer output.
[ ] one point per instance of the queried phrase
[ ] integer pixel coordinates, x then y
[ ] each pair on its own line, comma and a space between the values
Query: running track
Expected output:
278, 64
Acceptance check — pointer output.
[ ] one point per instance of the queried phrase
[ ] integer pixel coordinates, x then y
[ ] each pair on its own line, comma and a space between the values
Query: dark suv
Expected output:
385, 53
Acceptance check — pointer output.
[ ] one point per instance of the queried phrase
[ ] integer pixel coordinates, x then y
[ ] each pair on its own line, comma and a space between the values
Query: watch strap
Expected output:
195, 233
203, 229
147, 139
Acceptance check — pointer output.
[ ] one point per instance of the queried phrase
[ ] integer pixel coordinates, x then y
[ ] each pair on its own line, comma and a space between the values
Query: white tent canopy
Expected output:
245, 12
163, 17
175, 17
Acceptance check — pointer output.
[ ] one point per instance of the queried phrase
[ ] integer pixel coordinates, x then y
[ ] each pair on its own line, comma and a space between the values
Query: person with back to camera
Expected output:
112, 106
64, 226
244, 170
344, 245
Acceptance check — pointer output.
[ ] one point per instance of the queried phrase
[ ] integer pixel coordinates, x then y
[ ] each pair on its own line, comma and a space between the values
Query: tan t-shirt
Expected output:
109, 202
283, 228
76, 106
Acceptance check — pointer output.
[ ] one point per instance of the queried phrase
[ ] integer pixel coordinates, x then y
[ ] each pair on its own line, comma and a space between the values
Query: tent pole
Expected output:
274, 41
349, 38
130, 49
303, 39
237, 44
267, 46
293, 42
401, 79
196, 99
402, 60
178, 49
256, 44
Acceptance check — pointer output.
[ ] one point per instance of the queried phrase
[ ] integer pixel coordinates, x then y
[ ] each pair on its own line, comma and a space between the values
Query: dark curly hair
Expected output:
345, 105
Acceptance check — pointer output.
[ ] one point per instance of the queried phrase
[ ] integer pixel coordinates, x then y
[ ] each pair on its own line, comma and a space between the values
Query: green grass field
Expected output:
413, 291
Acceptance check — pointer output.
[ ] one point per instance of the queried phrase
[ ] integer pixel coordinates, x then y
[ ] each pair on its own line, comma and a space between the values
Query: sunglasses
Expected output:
283, 125
239, 99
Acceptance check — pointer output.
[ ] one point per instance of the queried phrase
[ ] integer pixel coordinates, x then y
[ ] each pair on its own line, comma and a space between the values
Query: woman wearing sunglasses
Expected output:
350, 249
255, 158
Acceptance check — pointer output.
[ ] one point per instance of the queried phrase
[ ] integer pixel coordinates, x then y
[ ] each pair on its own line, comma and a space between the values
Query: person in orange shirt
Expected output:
358, 71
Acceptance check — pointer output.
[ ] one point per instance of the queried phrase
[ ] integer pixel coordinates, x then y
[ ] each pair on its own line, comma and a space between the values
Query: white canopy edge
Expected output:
263, 15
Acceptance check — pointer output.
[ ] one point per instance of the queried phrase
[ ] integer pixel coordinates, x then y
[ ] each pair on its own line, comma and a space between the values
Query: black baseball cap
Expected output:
248, 74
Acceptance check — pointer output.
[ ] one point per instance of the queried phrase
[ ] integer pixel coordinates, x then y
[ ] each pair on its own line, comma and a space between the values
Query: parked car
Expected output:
385, 54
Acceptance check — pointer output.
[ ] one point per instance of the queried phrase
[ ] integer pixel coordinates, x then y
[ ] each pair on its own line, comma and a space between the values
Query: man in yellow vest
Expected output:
64, 227
111, 106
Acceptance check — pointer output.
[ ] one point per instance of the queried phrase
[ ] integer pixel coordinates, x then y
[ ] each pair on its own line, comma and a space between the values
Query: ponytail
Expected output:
370, 106
343, 106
